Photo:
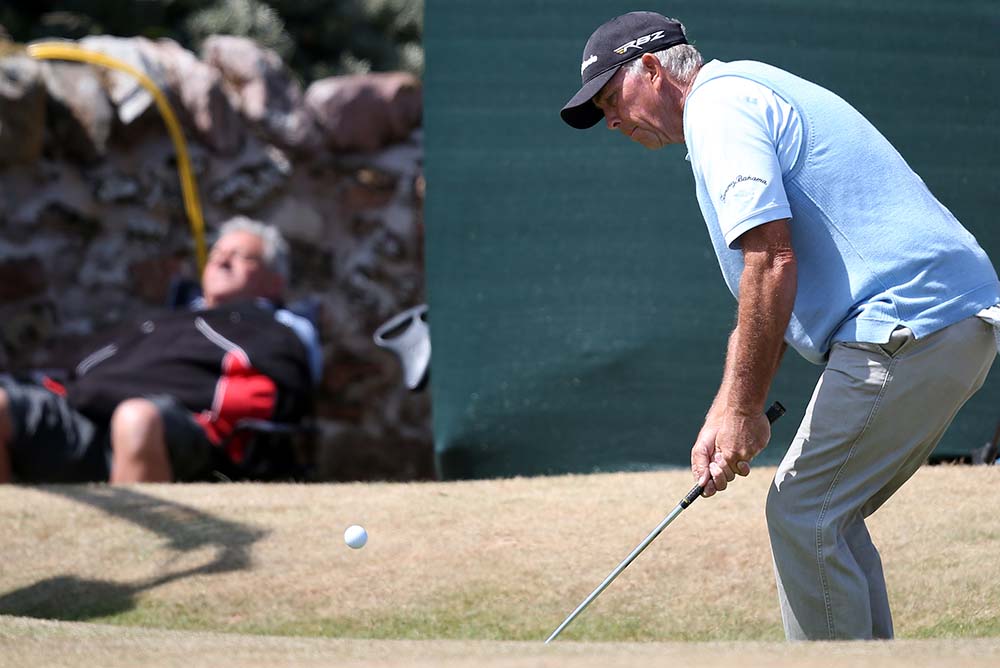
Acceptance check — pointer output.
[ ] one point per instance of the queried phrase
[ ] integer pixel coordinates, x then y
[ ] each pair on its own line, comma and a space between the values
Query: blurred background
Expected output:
316, 38
579, 315
304, 114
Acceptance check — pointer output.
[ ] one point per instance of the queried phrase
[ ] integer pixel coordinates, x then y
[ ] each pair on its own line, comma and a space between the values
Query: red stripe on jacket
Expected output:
53, 386
242, 392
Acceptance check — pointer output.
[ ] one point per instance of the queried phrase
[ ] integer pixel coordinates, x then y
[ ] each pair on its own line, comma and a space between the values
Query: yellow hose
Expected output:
66, 51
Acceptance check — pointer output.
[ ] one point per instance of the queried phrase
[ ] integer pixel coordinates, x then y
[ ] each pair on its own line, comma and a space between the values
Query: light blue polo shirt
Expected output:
874, 248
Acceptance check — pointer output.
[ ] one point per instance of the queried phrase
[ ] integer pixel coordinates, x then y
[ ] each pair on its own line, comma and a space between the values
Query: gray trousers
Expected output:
876, 414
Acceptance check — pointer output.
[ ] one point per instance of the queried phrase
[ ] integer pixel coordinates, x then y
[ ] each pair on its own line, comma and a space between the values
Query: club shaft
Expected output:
618, 569
773, 413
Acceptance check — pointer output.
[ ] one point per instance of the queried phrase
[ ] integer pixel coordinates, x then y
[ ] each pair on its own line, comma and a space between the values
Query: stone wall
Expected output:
93, 227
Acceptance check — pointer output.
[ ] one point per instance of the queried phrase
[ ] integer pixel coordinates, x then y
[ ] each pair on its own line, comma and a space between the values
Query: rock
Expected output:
354, 453
298, 221
263, 90
356, 197
365, 112
200, 89
241, 60
80, 114
151, 161
22, 111
24, 330
21, 277
105, 263
403, 158
84, 246
151, 278
138, 225
116, 188
58, 201
197, 86
125, 91
295, 131
258, 174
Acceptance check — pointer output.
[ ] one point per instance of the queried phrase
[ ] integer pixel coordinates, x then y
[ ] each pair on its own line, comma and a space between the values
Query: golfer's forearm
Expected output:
767, 295
718, 407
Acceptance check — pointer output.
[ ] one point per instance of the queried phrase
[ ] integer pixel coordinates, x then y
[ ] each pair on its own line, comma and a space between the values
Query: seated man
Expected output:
158, 402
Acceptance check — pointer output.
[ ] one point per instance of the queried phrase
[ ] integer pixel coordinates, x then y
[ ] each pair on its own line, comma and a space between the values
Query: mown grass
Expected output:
986, 625
489, 560
27, 642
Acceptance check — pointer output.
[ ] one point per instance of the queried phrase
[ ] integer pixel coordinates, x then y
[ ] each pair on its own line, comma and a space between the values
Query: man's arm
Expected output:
735, 428
718, 408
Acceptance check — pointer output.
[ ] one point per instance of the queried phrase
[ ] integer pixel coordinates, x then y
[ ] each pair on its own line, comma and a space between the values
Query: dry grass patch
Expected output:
485, 560
29, 642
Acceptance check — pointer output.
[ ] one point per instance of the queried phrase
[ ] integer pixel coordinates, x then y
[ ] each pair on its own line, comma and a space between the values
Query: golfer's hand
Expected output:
702, 455
738, 441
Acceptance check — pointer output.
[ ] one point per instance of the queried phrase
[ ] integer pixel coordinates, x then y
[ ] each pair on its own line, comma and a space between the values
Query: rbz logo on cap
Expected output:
587, 63
637, 43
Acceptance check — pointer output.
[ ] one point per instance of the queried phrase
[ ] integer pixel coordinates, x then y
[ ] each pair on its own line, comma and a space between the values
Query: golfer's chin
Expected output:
648, 139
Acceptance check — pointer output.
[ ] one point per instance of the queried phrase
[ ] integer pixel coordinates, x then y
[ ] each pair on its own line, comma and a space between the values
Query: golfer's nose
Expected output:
613, 121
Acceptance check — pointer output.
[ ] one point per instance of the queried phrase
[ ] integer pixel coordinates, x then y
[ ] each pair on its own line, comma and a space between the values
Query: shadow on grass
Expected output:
68, 598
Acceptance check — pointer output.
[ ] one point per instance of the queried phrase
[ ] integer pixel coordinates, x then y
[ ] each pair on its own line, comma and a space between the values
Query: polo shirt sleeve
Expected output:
731, 137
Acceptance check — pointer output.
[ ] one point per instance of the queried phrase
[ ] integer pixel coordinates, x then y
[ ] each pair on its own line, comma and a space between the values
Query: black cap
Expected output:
619, 41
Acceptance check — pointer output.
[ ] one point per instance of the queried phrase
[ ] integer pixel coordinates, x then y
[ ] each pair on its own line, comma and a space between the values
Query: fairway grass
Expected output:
29, 642
479, 563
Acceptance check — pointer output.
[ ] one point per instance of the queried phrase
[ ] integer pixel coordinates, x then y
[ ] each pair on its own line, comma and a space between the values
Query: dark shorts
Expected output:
192, 456
53, 443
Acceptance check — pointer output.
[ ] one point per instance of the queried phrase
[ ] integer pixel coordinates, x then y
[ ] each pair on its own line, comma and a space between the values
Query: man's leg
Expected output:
872, 420
6, 433
868, 559
43, 440
138, 444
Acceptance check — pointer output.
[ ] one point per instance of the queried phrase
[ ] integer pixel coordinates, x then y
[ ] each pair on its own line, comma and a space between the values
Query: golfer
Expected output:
833, 246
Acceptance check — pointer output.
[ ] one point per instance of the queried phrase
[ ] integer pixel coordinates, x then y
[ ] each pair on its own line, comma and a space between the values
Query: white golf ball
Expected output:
355, 537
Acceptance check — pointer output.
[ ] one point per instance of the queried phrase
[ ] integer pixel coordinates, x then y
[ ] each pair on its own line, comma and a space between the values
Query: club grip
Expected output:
773, 413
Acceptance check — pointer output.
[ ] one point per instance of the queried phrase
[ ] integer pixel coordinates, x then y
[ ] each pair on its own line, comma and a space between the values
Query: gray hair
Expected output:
682, 61
276, 252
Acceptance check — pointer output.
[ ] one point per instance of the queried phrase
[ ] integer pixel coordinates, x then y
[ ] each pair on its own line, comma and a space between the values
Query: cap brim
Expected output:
581, 112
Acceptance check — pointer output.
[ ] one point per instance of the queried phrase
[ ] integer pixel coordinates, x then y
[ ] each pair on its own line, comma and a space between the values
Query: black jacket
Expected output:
221, 363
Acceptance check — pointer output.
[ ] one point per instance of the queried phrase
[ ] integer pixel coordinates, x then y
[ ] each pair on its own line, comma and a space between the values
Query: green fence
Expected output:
578, 314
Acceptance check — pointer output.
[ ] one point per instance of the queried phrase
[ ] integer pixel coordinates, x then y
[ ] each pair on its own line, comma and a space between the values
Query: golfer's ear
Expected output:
651, 65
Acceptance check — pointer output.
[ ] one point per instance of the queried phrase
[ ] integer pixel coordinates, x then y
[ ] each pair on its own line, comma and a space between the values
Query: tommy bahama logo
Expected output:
741, 179
638, 42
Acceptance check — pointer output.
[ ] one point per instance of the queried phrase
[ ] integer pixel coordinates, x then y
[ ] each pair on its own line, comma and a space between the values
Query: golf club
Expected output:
773, 413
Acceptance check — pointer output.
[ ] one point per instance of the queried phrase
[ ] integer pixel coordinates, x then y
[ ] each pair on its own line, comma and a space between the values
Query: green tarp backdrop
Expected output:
578, 315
